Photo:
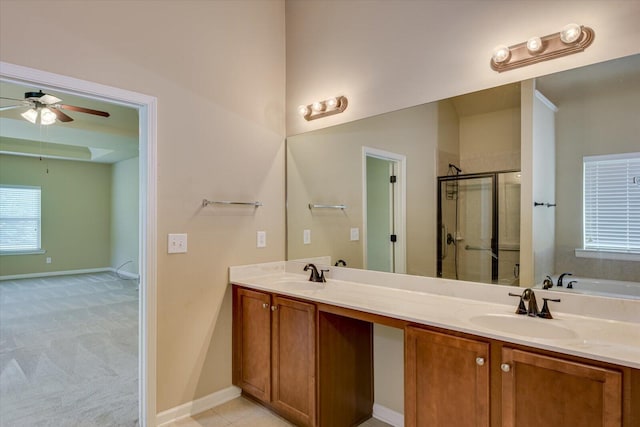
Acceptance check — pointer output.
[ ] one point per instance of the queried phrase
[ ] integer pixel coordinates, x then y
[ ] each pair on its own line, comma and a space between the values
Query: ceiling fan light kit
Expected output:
45, 109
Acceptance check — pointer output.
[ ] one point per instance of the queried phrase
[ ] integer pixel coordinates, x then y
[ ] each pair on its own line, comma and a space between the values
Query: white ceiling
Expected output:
87, 137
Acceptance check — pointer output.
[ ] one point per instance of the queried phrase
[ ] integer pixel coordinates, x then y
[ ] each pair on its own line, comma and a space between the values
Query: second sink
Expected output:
523, 326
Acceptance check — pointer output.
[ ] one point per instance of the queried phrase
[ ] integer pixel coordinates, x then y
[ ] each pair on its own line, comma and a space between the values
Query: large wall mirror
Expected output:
481, 187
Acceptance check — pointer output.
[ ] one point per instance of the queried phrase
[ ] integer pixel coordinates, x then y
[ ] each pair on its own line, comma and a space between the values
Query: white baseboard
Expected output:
56, 273
389, 416
69, 273
197, 406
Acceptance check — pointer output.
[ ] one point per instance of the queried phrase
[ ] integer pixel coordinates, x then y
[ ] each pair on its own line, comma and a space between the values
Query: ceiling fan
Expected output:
44, 109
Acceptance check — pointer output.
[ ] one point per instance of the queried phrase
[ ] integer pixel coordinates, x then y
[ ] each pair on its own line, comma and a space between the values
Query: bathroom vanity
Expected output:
305, 350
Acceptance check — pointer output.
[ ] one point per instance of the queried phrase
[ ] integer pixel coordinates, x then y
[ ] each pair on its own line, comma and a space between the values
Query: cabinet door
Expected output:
252, 343
446, 380
545, 391
294, 360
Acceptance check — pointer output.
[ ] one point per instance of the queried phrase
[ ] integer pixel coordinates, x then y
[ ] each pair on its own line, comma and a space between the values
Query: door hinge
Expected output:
393, 179
394, 238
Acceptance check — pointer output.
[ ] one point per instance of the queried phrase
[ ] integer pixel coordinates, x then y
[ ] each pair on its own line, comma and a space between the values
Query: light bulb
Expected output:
317, 106
570, 33
534, 44
501, 54
303, 110
47, 117
331, 103
30, 115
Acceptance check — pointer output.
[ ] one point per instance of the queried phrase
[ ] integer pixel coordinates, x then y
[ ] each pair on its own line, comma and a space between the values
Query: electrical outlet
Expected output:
48, 260
177, 243
355, 234
261, 239
306, 237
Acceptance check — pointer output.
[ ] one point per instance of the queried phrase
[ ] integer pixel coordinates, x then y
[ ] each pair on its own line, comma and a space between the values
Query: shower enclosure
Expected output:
479, 227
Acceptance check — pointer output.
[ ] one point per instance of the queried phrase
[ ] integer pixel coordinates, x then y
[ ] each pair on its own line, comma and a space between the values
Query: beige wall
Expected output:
386, 55
75, 210
218, 70
326, 167
490, 141
604, 121
124, 215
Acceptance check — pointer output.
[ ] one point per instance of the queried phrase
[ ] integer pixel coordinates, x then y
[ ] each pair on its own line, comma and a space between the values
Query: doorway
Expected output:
384, 206
147, 111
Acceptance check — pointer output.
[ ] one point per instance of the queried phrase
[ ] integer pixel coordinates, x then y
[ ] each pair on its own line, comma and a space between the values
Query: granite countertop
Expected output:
596, 338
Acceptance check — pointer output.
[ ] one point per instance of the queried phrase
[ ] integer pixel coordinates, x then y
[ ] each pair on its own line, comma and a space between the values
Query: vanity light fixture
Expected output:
324, 108
573, 38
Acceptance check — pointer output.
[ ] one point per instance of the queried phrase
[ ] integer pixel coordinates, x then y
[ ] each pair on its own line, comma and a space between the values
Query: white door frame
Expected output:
147, 109
400, 205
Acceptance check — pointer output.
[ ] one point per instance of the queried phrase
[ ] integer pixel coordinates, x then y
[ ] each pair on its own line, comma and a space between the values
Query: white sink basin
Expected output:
523, 326
299, 285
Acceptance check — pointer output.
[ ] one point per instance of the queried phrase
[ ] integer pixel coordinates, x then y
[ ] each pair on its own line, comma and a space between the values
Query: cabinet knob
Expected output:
480, 361
274, 307
505, 367
265, 305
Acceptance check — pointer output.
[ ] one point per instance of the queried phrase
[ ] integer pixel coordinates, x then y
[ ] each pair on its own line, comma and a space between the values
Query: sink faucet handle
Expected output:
570, 285
521, 308
545, 313
322, 278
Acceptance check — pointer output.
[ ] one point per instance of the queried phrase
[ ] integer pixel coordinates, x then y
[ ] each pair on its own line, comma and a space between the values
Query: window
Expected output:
19, 219
612, 203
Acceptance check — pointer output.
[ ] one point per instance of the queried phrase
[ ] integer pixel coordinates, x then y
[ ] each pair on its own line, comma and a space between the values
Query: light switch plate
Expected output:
261, 239
355, 234
306, 237
177, 243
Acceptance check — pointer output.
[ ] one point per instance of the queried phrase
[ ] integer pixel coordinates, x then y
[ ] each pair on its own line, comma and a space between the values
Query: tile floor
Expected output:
242, 412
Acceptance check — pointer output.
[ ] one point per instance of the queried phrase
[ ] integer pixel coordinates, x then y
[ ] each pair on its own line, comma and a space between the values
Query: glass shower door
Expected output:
467, 239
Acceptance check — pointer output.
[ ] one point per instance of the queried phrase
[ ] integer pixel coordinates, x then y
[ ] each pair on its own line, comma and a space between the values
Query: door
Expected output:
384, 211
252, 342
294, 360
380, 215
545, 391
446, 380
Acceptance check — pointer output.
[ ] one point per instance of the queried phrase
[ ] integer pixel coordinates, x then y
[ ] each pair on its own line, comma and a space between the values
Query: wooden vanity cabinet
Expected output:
454, 379
539, 390
274, 344
446, 380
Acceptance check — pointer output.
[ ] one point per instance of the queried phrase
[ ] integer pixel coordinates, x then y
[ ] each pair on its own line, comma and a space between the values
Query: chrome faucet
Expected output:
562, 277
316, 276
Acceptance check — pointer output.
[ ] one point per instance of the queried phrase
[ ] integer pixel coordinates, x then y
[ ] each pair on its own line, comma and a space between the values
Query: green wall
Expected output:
76, 213
124, 215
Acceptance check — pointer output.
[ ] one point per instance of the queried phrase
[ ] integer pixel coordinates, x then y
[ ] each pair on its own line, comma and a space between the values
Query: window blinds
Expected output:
612, 202
19, 218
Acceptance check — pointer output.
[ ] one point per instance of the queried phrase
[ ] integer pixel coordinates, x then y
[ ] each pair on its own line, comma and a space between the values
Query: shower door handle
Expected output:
443, 242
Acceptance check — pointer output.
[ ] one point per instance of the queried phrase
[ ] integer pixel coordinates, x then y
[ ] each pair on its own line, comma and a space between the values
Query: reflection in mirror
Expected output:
583, 112
479, 223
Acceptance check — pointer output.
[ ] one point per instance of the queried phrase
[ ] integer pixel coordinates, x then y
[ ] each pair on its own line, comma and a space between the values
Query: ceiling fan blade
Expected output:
61, 116
11, 107
84, 110
12, 99
49, 99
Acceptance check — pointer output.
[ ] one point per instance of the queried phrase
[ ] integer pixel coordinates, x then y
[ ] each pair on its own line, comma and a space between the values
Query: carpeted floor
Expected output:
69, 351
